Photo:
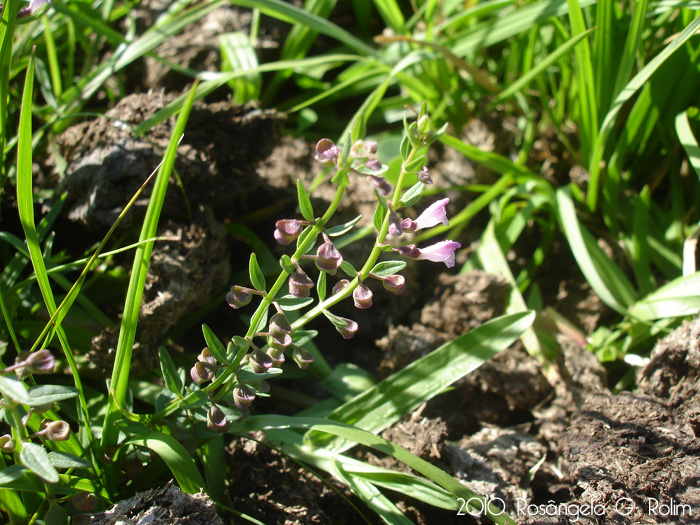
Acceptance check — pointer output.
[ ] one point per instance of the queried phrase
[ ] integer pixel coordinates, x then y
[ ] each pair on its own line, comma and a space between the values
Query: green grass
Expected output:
612, 85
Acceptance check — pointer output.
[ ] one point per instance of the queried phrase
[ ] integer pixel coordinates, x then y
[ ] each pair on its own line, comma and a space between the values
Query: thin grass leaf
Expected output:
688, 141
391, 14
25, 205
678, 298
385, 403
542, 65
586, 82
176, 458
239, 54
356, 435
606, 279
295, 15
639, 80
373, 498
213, 81
132, 305
498, 29
629, 52
494, 261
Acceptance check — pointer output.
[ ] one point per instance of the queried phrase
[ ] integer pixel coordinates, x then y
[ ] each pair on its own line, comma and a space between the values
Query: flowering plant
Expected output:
234, 376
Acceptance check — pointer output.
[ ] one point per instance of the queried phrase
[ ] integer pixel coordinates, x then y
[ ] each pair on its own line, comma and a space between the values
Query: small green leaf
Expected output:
387, 268
349, 269
412, 195
286, 264
416, 164
170, 376
216, 347
241, 342
11, 473
304, 202
379, 214
303, 236
35, 458
66, 460
301, 337
14, 389
247, 374
405, 147
359, 130
433, 136
335, 231
47, 394
262, 324
289, 303
257, 279
341, 178
335, 320
321, 286
381, 199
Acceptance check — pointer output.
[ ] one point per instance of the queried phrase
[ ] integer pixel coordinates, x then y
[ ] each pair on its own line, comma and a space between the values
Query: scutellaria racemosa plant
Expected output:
233, 377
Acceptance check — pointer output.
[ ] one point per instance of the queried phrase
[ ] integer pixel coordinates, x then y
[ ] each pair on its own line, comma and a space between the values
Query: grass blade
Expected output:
629, 90
176, 457
132, 305
385, 403
606, 279
678, 298
357, 435
688, 140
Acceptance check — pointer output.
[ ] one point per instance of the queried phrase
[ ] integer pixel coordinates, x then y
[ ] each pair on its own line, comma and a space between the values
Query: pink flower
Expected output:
443, 251
433, 214
35, 5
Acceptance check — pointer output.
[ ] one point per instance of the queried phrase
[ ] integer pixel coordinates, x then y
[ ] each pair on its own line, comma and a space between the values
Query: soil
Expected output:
504, 430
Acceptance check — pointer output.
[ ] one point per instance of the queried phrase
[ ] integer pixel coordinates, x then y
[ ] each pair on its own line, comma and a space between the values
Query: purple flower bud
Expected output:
340, 285
373, 164
395, 284
280, 331
84, 501
302, 358
277, 356
7, 444
424, 124
348, 327
260, 362
299, 284
243, 396
201, 372
433, 214
287, 230
370, 146
443, 251
56, 430
238, 297
216, 419
424, 176
383, 187
326, 151
205, 356
395, 225
362, 297
41, 362
328, 258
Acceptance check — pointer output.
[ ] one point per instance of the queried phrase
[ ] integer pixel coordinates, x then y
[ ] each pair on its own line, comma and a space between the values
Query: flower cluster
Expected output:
269, 343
